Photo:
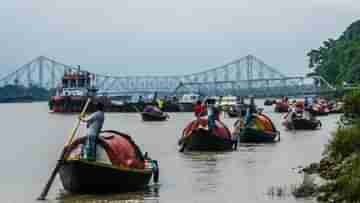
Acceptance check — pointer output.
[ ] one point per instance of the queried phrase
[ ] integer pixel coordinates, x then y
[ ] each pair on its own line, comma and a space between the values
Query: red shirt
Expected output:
198, 109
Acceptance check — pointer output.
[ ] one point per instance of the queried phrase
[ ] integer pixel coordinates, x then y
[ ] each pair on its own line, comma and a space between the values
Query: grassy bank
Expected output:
340, 165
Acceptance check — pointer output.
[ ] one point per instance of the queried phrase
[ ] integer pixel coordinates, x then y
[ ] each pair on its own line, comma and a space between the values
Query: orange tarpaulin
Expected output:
121, 152
221, 130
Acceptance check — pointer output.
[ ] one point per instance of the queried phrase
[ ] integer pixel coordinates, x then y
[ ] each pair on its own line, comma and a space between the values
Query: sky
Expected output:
168, 37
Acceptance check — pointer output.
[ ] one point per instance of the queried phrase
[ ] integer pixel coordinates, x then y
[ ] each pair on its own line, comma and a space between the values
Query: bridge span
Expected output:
244, 76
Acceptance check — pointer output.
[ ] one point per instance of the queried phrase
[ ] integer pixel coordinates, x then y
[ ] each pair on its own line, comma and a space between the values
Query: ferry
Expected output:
187, 102
76, 87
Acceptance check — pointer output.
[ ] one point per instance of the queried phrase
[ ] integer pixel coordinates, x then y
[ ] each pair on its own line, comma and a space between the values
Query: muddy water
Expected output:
32, 140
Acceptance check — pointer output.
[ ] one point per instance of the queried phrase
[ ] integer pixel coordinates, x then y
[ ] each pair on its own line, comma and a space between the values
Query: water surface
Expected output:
32, 140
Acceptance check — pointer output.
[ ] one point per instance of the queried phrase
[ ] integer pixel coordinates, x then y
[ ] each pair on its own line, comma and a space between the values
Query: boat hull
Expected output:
79, 176
153, 117
204, 140
303, 124
268, 102
257, 136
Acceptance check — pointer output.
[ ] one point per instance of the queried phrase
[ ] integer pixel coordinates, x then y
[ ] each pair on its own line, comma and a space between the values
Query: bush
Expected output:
352, 104
345, 142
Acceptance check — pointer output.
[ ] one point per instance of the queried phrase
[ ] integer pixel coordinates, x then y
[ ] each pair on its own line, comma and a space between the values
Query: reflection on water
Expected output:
32, 140
149, 195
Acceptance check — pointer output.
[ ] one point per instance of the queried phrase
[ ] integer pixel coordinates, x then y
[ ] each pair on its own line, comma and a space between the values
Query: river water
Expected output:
32, 140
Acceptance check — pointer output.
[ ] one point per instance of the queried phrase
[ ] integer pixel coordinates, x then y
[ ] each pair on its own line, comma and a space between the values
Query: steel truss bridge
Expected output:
244, 76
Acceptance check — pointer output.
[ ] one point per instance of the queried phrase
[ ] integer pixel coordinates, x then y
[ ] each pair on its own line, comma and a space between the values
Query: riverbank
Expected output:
339, 169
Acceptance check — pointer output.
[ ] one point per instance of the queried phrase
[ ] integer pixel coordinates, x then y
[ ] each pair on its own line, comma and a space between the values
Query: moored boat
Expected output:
187, 102
119, 166
198, 137
320, 110
77, 86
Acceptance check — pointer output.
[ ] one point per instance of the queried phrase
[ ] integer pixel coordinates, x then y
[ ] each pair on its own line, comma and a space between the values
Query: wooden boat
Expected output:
269, 102
154, 116
197, 137
120, 166
302, 124
253, 133
320, 110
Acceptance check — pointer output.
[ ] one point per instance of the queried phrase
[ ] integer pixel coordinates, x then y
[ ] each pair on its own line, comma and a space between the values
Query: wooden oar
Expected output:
62, 156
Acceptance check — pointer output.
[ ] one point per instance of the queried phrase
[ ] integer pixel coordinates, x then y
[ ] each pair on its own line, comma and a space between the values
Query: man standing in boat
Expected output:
94, 123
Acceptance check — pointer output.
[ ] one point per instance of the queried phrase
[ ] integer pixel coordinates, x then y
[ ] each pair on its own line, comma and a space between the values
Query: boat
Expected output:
269, 102
154, 116
187, 102
198, 137
320, 110
281, 107
76, 87
119, 166
257, 136
336, 107
259, 129
302, 124
225, 103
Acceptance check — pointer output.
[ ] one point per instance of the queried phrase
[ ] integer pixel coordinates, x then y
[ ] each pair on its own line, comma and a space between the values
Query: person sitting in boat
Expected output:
252, 105
199, 109
285, 99
94, 124
161, 104
216, 114
240, 106
307, 109
210, 113
306, 103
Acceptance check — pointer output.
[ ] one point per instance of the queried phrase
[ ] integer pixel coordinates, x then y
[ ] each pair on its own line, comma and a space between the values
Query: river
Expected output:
32, 140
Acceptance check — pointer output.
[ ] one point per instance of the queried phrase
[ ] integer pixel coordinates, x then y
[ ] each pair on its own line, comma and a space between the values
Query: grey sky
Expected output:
126, 37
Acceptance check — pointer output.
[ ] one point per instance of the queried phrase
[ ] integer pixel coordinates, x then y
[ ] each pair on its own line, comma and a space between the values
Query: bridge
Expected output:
244, 76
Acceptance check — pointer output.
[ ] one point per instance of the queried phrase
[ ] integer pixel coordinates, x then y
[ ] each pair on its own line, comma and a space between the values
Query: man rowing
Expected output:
94, 124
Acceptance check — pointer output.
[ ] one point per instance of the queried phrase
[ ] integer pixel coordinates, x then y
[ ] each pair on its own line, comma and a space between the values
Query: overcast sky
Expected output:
132, 37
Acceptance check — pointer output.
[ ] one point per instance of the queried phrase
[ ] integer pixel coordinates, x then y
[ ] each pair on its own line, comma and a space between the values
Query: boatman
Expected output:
94, 124
161, 104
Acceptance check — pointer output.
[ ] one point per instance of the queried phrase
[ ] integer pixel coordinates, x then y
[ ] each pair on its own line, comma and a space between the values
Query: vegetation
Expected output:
340, 166
352, 104
339, 60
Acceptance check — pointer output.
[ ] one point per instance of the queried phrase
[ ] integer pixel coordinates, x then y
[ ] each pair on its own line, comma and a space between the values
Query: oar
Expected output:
62, 156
